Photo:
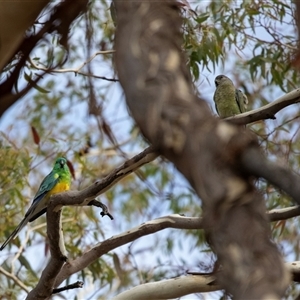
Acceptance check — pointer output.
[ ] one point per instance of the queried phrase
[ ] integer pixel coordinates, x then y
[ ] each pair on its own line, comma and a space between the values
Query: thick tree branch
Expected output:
178, 287
255, 163
296, 61
172, 221
159, 92
57, 269
283, 213
60, 20
171, 289
84, 197
12, 33
45, 286
268, 111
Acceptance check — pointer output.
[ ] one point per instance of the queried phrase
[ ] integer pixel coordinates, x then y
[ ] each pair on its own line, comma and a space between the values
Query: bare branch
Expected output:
15, 279
172, 221
44, 288
59, 20
104, 211
283, 213
76, 71
178, 287
76, 285
15, 11
58, 257
150, 227
170, 289
268, 111
254, 162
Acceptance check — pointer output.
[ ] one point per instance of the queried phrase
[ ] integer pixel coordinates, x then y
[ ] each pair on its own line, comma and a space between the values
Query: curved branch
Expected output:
171, 221
15, 279
57, 269
76, 70
60, 19
283, 213
172, 288
44, 288
46, 283
268, 111
254, 162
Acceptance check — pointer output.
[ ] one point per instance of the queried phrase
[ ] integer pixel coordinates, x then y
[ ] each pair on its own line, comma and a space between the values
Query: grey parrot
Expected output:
229, 100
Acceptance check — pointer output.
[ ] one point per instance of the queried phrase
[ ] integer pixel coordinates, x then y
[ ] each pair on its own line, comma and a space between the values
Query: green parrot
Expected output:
229, 101
58, 180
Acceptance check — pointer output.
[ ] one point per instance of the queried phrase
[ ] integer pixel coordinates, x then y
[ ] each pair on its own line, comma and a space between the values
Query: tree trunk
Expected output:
160, 95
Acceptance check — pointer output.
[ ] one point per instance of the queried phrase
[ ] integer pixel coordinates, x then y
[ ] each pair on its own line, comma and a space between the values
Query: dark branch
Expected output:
254, 162
75, 285
46, 283
283, 213
60, 20
105, 211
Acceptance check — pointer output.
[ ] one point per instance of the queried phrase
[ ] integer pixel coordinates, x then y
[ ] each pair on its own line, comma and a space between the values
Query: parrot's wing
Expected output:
39, 203
241, 100
47, 185
216, 102
38, 206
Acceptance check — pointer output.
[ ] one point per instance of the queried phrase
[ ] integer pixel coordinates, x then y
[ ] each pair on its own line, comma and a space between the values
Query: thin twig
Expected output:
15, 279
76, 70
75, 285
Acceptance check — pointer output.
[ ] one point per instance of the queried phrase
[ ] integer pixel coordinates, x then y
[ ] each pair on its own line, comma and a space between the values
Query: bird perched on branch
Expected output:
58, 180
229, 100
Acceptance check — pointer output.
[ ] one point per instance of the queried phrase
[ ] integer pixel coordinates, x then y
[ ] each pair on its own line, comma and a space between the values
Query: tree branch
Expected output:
44, 288
268, 111
171, 221
45, 285
76, 285
60, 19
255, 163
170, 289
76, 71
283, 213
15, 279
150, 227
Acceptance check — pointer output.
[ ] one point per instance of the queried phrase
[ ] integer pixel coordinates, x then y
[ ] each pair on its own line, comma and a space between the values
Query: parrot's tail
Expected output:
15, 232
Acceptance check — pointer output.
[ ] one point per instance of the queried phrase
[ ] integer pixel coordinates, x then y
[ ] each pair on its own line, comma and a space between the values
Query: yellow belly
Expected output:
59, 187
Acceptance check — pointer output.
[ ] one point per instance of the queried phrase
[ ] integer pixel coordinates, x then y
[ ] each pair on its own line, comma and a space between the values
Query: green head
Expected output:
61, 165
222, 79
